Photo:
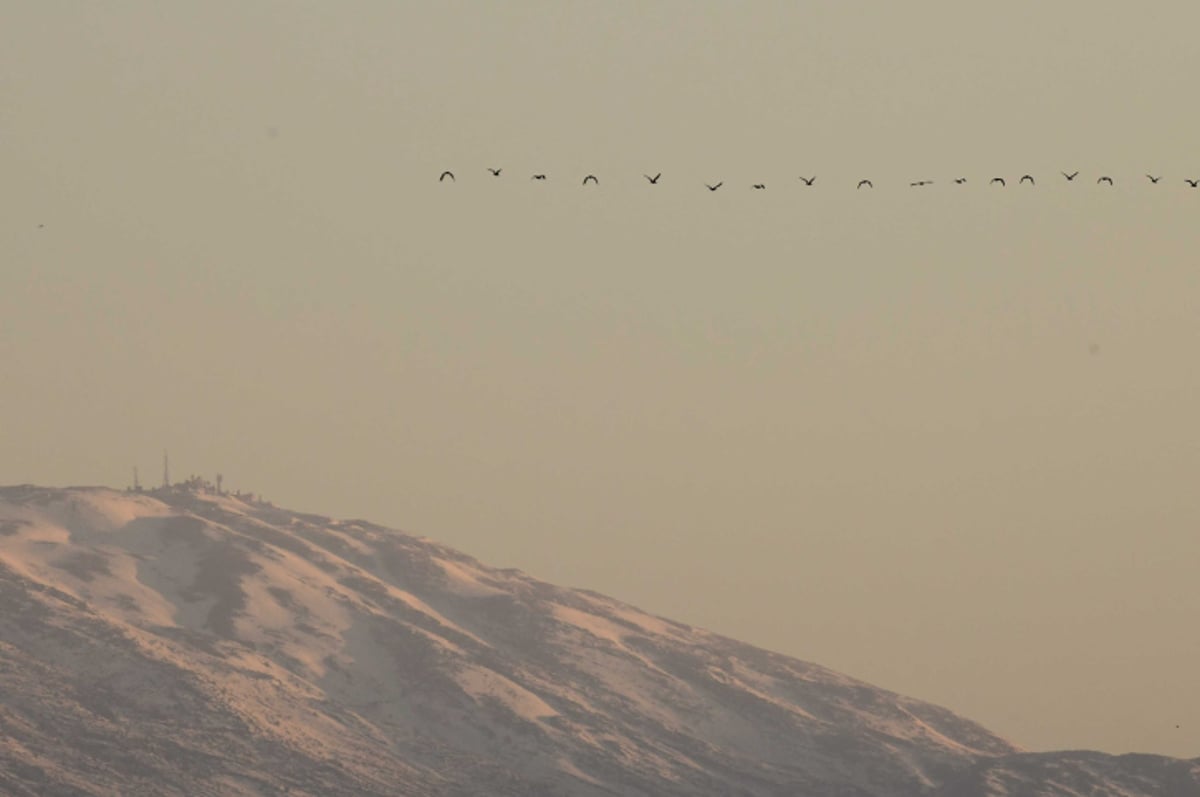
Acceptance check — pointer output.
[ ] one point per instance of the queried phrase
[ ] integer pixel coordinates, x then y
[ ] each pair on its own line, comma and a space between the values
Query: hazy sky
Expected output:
942, 439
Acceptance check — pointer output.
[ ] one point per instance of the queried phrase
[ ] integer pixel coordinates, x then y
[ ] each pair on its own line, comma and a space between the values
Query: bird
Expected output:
713, 187
445, 175
1153, 179
1108, 180
1070, 176
538, 177
867, 183
998, 180
809, 180
920, 183
1028, 177
495, 172
591, 177
959, 180
759, 186
1192, 183
653, 180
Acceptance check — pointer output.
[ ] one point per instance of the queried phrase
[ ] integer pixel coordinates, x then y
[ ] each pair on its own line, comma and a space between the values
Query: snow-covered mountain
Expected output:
185, 642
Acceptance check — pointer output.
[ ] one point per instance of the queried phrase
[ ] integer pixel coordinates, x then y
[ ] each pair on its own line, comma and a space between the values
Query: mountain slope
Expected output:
1071, 773
224, 646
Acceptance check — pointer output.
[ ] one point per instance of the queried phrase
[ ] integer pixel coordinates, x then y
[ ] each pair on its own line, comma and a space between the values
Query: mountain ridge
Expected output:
341, 657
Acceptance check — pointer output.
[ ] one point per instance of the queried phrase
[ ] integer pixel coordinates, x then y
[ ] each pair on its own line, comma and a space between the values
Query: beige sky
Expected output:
944, 440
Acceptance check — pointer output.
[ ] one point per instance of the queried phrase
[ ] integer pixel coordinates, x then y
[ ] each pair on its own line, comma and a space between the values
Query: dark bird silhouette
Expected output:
1070, 176
998, 180
495, 172
653, 180
867, 183
920, 183
1028, 177
591, 177
959, 180
759, 186
1153, 179
538, 177
1108, 180
1192, 183
445, 175
809, 180
713, 187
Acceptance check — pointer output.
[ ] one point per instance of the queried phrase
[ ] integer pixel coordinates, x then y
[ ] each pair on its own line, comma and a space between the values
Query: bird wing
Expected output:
445, 175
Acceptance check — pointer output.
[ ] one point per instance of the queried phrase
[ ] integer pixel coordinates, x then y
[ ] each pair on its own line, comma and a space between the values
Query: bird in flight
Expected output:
538, 177
998, 180
713, 187
653, 180
867, 183
959, 180
1153, 179
591, 177
445, 175
1070, 176
920, 183
495, 172
759, 186
1192, 183
1104, 180
1028, 177
809, 180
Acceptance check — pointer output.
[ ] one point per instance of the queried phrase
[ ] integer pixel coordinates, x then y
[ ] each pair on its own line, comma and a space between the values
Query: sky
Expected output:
943, 439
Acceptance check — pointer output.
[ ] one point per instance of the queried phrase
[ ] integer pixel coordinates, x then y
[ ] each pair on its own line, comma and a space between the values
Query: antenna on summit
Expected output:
166, 471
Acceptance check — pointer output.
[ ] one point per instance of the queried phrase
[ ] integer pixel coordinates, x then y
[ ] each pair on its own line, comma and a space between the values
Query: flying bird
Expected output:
809, 180
1192, 183
1153, 179
1070, 176
591, 177
1104, 180
495, 172
1028, 177
998, 180
759, 186
653, 180
920, 183
445, 175
538, 177
867, 183
959, 180
713, 187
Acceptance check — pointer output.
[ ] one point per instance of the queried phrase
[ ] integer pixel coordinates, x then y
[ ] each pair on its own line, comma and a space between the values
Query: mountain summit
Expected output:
185, 642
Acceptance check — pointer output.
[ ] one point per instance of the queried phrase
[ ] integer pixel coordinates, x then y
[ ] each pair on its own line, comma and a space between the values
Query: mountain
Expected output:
1073, 773
194, 643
